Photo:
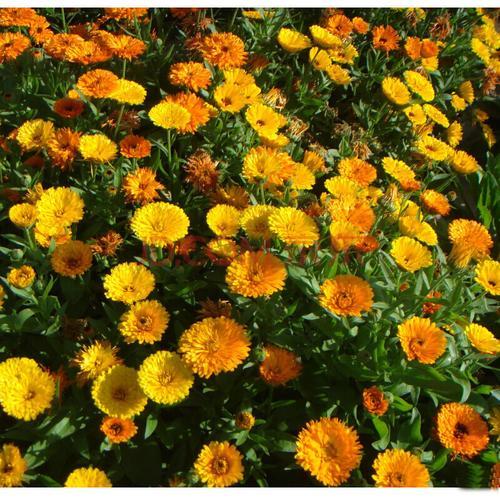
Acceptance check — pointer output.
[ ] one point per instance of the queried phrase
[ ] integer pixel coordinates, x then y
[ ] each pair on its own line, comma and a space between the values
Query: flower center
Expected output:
344, 300
220, 466
120, 394
460, 431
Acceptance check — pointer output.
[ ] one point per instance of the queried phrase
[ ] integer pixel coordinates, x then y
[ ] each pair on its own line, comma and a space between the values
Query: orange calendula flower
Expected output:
279, 366
12, 45
193, 75
471, 241
135, 146
385, 38
68, 107
400, 469
141, 186
374, 401
97, 83
224, 50
435, 202
118, 430
219, 464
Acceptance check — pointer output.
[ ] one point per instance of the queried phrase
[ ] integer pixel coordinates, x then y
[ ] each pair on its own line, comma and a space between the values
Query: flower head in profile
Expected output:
487, 274
435, 202
118, 430
420, 230
256, 274
12, 466
145, 322
395, 90
346, 295
159, 224
141, 186
293, 41
279, 366
95, 359
421, 339
433, 148
219, 464
214, 345
464, 163
399, 469
461, 429
129, 282
400, 171
328, 449
293, 226
409, 254
117, 392
482, 339
72, 258
165, 378
87, 477
374, 401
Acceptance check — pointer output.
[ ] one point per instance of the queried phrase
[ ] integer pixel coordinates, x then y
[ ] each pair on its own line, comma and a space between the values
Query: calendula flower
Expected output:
337, 74
328, 449
12, 45
71, 259
98, 83
487, 274
59, 207
95, 359
165, 378
482, 339
129, 282
293, 226
264, 120
360, 25
219, 464
35, 134
21, 277
464, 163
374, 401
159, 224
45, 234
135, 146
279, 366
420, 230
385, 38
214, 345
323, 37
144, 322
264, 163
199, 111
466, 91
23, 215
435, 202
26, 390
401, 172
454, 134
117, 392
193, 75
244, 420
141, 186
344, 234
128, 92
433, 148
229, 97
87, 477
422, 340
457, 102
97, 148
224, 50
346, 295
471, 241
461, 429
436, 116
481, 50
170, 115
399, 469
339, 24
63, 147
293, 41
224, 220
409, 254
118, 430
12, 466
420, 85
254, 221
415, 114
395, 90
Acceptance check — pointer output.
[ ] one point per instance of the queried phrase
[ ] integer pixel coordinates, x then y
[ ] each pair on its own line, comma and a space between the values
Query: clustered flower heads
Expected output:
248, 247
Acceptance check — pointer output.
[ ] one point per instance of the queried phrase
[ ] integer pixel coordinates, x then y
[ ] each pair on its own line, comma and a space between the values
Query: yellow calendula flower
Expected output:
454, 134
165, 378
129, 282
409, 254
319, 58
26, 390
145, 322
214, 345
464, 163
72, 258
457, 102
264, 120
255, 221
395, 90
159, 224
415, 228
436, 116
12, 466
481, 50
219, 464
95, 359
420, 85
466, 91
400, 171
471, 241
433, 148
128, 92
170, 115
329, 450
293, 41
487, 274
293, 226
87, 477
97, 148
323, 37
224, 220
482, 339
23, 215
230, 97
415, 114
59, 207
21, 277
35, 134
344, 234
117, 392
400, 469
300, 177
358, 170
338, 74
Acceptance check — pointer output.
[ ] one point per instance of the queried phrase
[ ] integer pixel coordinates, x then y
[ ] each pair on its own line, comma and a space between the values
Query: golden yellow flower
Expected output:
454, 134
419, 85
279, 366
87, 477
337, 74
395, 90
219, 464
72, 258
97, 148
59, 207
230, 97
433, 148
293, 41
170, 115
293, 226
26, 390
300, 177
487, 274
314, 162
324, 38
12, 466
471, 241
401, 172
346, 295
399, 469
23, 215
44, 234
415, 228
256, 274
214, 345
224, 248
128, 92
145, 322
410, 254
224, 220
466, 91
159, 224
415, 114
481, 50
457, 102
165, 378
95, 359
357, 170
436, 116
265, 163
344, 234
21, 277
264, 120
328, 449
461, 429
482, 339
422, 340
347, 191
464, 163
129, 282
435, 202
35, 134
319, 58
255, 221
117, 392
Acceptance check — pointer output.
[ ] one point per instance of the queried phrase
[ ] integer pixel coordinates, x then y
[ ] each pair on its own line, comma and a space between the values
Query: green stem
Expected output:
169, 147
63, 16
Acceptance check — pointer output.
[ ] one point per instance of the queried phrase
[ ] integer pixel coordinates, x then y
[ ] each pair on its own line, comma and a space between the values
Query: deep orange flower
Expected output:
12, 45
360, 25
63, 147
135, 146
374, 401
68, 107
367, 244
339, 25
224, 50
279, 366
385, 38
413, 47
118, 430
197, 108
202, 171
430, 308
